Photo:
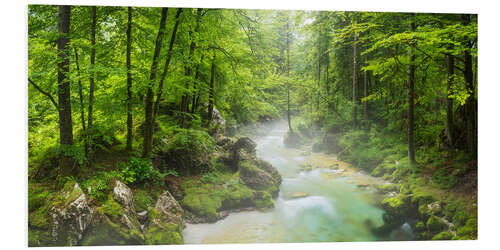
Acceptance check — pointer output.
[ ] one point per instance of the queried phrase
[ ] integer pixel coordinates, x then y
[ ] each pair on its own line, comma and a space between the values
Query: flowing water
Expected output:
336, 204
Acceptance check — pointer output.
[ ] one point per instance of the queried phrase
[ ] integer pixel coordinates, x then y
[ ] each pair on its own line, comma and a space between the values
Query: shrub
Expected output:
444, 179
137, 170
142, 200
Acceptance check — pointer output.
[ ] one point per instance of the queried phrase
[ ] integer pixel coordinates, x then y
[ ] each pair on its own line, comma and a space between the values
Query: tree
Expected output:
149, 122
92, 77
63, 90
130, 124
355, 77
411, 96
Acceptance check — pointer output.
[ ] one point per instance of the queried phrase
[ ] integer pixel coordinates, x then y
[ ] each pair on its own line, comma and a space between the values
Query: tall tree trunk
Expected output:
167, 64
365, 91
92, 78
130, 124
148, 121
195, 95
449, 100
355, 81
188, 69
211, 95
318, 76
288, 75
470, 104
82, 107
63, 89
411, 94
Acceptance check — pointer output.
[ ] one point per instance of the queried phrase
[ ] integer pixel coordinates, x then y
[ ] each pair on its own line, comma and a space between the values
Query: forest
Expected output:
151, 125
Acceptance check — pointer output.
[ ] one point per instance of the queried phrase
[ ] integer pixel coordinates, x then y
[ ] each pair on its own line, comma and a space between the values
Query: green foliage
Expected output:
137, 170
467, 232
99, 185
445, 179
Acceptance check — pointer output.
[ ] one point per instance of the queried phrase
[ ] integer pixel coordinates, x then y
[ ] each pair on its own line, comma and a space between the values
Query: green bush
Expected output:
435, 224
137, 170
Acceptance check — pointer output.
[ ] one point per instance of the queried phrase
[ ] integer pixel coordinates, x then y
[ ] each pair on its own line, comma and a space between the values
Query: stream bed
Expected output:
324, 204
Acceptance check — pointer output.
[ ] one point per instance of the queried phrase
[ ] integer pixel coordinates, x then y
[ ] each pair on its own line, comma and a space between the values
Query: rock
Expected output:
246, 144
260, 175
217, 119
116, 222
143, 217
71, 218
166, 222
123, 195
299, 195
363, 185
433, 208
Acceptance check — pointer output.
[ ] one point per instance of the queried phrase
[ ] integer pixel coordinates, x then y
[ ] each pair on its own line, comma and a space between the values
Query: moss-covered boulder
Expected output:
260, 176
468, 231
70, 216
115, 222
435, 224
445, 235
166, 221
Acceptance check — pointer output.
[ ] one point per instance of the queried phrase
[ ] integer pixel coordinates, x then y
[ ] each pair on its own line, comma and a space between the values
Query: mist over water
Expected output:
333, 208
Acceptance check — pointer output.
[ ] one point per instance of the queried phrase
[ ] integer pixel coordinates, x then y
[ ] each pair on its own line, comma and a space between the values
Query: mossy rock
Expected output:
420, 226
105, 231
435, 224
460, 218
445, 235
263, 199
167, 235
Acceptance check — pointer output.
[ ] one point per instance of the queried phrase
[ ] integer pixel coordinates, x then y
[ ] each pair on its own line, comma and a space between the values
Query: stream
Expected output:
325, 204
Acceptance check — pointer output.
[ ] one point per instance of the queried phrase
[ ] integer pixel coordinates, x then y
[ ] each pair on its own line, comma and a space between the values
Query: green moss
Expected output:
107, 232
420, 226
435, 224
112, 208
202, 204
468, 231
37, 196
445, 235
166, 235
142, 200
263, 199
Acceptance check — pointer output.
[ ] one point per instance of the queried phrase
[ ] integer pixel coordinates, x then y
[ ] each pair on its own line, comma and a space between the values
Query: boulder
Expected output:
71, 217
115, 223
260, 175
245, 144
165, 222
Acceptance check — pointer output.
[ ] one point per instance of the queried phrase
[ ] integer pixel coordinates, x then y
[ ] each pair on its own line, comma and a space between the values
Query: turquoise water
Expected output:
334, 207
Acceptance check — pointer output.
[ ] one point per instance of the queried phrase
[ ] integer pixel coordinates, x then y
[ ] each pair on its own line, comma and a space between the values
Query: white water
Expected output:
334, 210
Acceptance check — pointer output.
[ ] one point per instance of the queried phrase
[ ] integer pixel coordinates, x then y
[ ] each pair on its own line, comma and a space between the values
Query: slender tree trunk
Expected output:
195, 95
188, 69
318, 77
130, 124
449, 100
211, 96
411, 94
470, 104
63, 89
148, 121
365, 91
167, 63
82, 107
92, 67
288, 75
355, 81
92, 81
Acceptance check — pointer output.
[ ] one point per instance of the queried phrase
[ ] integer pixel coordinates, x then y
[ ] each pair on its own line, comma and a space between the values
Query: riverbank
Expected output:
436, 198
194, 177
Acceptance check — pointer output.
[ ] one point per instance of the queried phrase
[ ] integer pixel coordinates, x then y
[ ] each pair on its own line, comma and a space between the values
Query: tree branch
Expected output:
44, 93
